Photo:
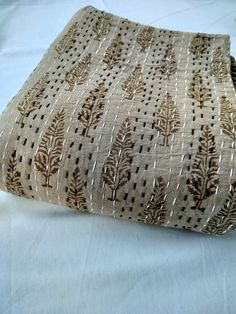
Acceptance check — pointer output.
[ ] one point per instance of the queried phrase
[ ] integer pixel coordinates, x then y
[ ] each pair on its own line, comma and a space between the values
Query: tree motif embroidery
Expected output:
48, 156
33, 98
92, 109
134, 84
198, 91
155, 212
167, 120
102, 26
225, 219
75, 195
67, 40
79, 73
146, 38
218, 66
13, 179
117, 167
199, 45
233, 70
168, 65
113, 53
228, 119
204, 178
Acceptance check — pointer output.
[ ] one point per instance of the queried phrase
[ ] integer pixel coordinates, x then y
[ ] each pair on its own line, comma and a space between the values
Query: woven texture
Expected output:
130, 121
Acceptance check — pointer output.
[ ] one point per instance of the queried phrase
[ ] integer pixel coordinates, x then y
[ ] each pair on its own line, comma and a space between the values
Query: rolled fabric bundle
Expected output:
127, 120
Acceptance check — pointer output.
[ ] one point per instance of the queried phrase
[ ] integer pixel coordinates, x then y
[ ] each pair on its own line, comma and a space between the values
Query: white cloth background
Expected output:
55, 260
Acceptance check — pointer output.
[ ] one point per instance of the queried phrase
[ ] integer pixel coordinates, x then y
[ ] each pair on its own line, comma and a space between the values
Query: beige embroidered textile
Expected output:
130, 121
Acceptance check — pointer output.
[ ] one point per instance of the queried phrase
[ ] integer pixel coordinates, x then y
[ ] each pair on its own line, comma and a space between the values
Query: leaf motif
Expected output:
113, 53
134, 84
47, 158
67, 40
204, 178
13, 180
79, 73
146, 38
102, 26
33, 98
155, 212
168, 65
198, 91
167, 120
225, 219
218, 66
228, 119
75, 195
92, 109
233, 70
199, 45
117, 167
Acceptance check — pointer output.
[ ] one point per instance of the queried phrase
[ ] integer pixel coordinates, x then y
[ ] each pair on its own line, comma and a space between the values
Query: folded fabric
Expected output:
130, 121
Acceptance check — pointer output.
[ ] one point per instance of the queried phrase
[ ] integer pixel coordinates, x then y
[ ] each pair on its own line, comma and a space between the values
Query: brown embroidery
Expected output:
75, 195
33, 98
218, 66
79, 73
155, 212
102, 26
167, 120
13, 180
168, 65
92, 109
228, 119
204, 177
198, 91
199, 45
113, 53
134, 84
117, 167
48, 156
233, 70
225, 219
146, 38
67, 40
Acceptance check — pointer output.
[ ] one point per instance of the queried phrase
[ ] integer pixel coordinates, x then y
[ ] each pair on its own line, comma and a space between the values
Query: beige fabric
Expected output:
127, 120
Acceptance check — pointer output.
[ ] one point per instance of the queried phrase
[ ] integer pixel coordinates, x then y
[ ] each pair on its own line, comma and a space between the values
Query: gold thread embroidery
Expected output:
134, 84
102, 26
79, 73
228, 119
168, 65
204, 177
167, 120
48, 156
33, 98
117, 167
198, 45
13, 179
67, 40
92, 109
75, 195
225, 219
218, 66
113, 53
146, 38
155, 212
198, 91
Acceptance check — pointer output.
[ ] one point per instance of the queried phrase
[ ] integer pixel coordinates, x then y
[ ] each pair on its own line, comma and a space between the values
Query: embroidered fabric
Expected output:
130, 121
